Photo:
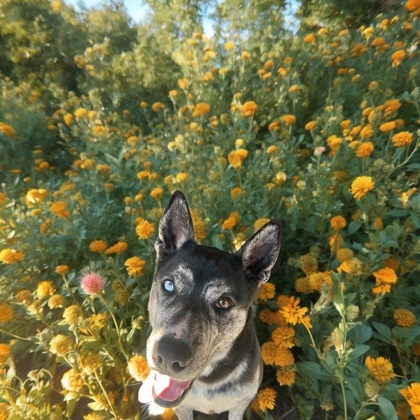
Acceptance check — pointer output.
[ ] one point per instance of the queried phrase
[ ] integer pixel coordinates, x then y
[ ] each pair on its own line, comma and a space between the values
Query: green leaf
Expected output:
358, 351
354, 227
360, 334
387, 409
383, 332
314, 370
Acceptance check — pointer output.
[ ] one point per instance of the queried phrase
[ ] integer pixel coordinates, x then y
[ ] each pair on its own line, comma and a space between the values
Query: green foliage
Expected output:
100, 123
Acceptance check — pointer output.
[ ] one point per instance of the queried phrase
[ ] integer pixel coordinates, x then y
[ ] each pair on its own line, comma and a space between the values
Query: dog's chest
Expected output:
213, 401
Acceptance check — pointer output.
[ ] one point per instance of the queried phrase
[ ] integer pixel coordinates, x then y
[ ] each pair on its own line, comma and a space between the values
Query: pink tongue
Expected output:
169, 389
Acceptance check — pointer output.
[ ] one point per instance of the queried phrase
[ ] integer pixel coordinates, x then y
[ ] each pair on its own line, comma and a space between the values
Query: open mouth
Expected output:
169, 392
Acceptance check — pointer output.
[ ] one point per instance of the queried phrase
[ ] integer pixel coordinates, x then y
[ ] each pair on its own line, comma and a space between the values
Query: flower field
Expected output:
320, 129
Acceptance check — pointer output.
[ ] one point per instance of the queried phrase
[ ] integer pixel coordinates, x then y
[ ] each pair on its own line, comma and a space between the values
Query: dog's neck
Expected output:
244, 352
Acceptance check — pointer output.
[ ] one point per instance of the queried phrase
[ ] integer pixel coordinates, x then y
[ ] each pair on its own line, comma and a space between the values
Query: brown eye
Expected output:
224, 303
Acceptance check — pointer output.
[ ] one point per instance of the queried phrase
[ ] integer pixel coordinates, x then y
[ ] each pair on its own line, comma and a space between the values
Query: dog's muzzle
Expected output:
171, 357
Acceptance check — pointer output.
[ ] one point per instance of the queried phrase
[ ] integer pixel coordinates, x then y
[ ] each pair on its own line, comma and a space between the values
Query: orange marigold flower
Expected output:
157, 106
5, 353
338, 222
387, 127
288, 119
231, 221
391, 106
293, 313
61, 345
309, 39
138, 368
249, 108
397, 57
72, 381
59, 208
310, 125
98, 246
265, 399
236, 157
266, 291
412, 393
284, 336
403, 139
134, 266
413, 6
44, 289
62, 269
286, 376
11, 256
404, 318
384, 277
6, 312
308, 264
201, 109
144, 229
156, 193
7, 129
351, 266
365, 150
118, 248
380, 369
361, 186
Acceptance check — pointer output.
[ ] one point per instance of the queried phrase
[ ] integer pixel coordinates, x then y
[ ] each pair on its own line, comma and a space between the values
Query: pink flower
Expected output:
92, 283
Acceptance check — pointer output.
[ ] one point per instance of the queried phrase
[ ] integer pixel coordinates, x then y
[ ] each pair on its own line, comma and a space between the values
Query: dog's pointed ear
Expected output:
175, 227
260, 252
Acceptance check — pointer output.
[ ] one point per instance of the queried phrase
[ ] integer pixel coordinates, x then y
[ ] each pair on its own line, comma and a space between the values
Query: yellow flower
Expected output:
59, 208
181, 177
71, 381
80, 113
404, 318
365, 150
249, 108
310, 125
143, 175
24, 296
98, 246
201, 109
380, 369
351, 266
231, 221
344, 254
134, 266
45, 289
72, 314
62, 269
6, 312
338, 222
387, 127
144, 229
413, 6
286, 376
288, 119
265, 399
284, 336
391, 106
405, 138
366, 132
138, 368
156, 193
183, 83
412, 393
235, 192
293, 313
236, 157
3, 198
7, 130
266, 291
56, 301
309, 39
157, 106
61, 345
68, 119
361, 186
259, 223
10, 256
397, 57
5, 353
384, 278
118, 248
90, 362
308, 264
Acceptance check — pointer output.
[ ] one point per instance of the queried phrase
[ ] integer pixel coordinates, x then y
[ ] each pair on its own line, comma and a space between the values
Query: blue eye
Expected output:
169, 286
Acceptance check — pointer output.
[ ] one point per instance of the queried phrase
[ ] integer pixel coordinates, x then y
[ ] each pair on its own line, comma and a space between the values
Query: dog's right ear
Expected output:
175, 227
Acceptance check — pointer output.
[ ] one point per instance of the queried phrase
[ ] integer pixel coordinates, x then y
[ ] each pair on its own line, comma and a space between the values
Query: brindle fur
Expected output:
192, 339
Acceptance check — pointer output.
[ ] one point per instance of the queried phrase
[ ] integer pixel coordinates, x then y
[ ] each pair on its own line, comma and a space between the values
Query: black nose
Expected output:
170, 355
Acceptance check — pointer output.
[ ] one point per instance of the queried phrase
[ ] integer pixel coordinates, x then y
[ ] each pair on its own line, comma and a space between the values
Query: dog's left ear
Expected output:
259, 253
175, 227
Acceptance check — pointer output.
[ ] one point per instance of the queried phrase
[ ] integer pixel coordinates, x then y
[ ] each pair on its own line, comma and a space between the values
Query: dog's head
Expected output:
200, 299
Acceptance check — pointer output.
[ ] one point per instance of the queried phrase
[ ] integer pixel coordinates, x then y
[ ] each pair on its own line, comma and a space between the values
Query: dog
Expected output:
203, 349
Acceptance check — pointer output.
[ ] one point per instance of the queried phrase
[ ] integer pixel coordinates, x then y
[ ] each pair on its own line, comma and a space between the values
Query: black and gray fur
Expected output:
203, 329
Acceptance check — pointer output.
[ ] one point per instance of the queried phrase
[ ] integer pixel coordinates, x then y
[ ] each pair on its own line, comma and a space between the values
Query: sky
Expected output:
135, 8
